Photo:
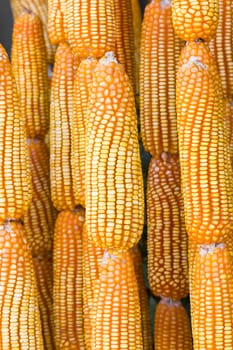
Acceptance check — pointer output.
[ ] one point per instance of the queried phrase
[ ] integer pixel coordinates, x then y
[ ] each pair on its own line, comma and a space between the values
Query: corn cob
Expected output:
116, 308
212, 298
40, 218
82, 85
15, 184
143, 298
30, 71
39, 8
172, 328
113, 179
221, 46
67, 292
160, 49
195, 19
56, 25
60, 128
229, 124
167, 238
20, 327
204, 150
43, 267
90, 27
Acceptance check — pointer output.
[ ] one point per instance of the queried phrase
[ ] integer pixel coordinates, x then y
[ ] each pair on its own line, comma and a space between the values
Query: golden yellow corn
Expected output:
30, 71
229, 124
203, 144
81, 91
20, 325
43, 266
15, 181
116, 307
39, 8
221, 46
60, 128
56, 21
160, 49
195, 19
167, 237
90, 27
40, 217
212, 298
113, 179
67, 292
172, 326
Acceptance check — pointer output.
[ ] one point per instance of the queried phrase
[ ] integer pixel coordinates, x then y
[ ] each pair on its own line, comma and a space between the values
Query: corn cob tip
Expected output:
196, 61
169, 302
210, 248
108, 58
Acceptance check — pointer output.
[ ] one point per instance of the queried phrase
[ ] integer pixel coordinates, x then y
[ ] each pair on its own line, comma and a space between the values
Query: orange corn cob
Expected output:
39, 8
172, 326
60, 128
90, 27
204, 150
221, 46
43, 266
20, 326
40, 218
212, 298
116, 307
56, 21
160, 49
82, 85
67, 292
229, 124
113, 179
143, 297
167, 238
92, 257
195, 20
15, 181
30, 70
124, 32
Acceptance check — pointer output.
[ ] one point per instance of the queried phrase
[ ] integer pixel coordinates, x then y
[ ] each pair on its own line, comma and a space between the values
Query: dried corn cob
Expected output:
229, 124
43, 266
39, 8
40, 217
68, 314
113, 179
56, 25
204, 150
20, 326
30, 71
60, 128
172, 326
167, 238
195, 20
15, 182
160, 49
221, 46
212, 298
90, 27
82, 85
116, 308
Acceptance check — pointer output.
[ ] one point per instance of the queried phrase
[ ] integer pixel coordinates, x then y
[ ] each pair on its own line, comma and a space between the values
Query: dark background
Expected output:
6, 23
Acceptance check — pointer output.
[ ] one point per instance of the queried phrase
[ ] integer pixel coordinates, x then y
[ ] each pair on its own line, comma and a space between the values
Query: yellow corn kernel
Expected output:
172, 326
68, 281
60, 128
116, 306
30, 70
15, 180
81, 91
195, 19
56, 21
113, 179
204, 149
20, 326
167, 237
160, 49
212, 297
90, 27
